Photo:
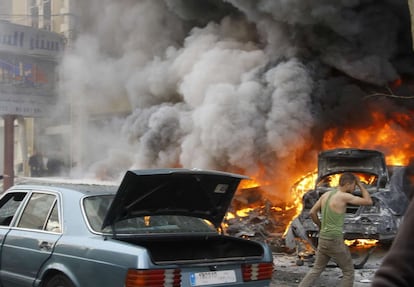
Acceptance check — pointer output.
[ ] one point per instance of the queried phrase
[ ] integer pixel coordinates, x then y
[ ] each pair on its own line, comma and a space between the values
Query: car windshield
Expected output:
96, 208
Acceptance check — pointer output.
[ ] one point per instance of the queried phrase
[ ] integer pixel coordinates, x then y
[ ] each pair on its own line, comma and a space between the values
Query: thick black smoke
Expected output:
238, 85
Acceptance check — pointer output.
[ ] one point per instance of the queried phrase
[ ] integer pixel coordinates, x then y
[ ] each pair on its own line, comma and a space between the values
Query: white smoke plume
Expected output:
235, 85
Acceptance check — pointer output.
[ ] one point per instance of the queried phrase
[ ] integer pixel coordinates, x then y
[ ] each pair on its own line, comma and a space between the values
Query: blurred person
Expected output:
408, 181
55, 166
36, 164
402, 178
397, 267
332, 206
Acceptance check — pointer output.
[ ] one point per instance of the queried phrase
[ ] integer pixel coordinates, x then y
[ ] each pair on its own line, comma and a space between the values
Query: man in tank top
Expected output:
332, 206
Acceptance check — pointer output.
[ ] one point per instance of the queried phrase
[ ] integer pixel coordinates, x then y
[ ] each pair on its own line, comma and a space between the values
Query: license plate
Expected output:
213, 277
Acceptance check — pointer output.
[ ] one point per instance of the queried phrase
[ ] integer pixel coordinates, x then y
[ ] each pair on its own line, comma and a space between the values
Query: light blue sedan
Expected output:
157, 228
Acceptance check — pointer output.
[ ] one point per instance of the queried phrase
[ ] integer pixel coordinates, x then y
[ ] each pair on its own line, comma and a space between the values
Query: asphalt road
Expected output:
288, 274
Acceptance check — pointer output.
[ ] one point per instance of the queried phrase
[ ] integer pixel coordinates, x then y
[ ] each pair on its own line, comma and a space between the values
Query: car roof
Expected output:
85, 187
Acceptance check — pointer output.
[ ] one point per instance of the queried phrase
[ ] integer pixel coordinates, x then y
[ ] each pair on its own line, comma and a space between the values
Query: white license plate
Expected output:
213, 277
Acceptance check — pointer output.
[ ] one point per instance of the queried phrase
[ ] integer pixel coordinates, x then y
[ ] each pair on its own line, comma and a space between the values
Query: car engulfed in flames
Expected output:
379, 221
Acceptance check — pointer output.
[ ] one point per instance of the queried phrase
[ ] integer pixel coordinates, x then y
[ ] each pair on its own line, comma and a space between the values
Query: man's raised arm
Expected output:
365, 199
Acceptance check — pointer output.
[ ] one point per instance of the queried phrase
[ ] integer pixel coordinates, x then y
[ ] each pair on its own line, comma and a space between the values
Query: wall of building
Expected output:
5, 7
50, 15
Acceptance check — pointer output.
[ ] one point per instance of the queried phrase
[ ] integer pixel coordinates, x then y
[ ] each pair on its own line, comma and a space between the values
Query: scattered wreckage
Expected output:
384, 183
255, 217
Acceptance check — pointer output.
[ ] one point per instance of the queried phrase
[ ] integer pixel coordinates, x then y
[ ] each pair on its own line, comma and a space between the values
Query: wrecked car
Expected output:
379, 221
157, 228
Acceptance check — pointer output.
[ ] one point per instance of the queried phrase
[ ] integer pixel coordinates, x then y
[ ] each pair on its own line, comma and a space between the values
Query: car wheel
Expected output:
59, 280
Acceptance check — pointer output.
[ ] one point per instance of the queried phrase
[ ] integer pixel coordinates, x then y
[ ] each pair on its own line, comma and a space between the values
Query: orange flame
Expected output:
361, 242
387, 135
390, 134
248, 183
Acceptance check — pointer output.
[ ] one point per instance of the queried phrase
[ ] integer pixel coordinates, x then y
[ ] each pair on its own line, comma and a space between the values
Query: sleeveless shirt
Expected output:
332, 222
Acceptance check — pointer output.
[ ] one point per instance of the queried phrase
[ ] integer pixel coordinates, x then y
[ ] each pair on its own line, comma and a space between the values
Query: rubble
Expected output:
259, 220
288, 274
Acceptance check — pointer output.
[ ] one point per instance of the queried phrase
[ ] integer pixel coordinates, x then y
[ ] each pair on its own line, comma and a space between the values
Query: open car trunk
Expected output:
169, 195
198, 249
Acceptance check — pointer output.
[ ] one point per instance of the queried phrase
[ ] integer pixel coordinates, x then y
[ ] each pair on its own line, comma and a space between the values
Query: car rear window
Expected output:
96, 207
333, 180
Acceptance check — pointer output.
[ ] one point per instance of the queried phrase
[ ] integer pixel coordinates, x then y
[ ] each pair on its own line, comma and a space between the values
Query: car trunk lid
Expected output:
190, 192
352, 160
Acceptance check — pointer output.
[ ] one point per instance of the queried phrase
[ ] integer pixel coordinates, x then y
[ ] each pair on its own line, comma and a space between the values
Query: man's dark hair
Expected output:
346, 177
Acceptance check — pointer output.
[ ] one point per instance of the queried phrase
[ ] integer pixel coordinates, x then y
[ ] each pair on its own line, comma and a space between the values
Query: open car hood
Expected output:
352, 160
197, 193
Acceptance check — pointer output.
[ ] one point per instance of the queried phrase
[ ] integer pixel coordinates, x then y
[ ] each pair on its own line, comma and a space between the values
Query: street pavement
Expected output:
288, 274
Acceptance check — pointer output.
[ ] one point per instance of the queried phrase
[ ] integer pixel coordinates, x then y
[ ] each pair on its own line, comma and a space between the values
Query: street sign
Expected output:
28, 63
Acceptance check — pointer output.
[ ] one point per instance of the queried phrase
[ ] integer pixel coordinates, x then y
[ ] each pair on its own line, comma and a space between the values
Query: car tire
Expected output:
59, 280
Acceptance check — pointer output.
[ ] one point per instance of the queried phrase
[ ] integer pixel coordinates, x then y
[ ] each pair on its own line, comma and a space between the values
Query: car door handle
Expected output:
45, 245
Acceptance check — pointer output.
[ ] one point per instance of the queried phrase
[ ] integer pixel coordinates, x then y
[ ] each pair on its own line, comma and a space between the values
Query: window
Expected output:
9, 205
96, 208
34, 12
47, 15
53, 223
41, 213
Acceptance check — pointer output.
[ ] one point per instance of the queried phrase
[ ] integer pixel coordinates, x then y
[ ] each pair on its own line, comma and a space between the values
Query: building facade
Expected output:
33, 34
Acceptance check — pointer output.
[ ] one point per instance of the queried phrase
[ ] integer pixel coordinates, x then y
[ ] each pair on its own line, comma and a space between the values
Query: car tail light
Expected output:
257, 271
153, 278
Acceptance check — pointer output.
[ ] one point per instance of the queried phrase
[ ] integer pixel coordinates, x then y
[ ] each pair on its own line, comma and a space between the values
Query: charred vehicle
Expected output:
379, 221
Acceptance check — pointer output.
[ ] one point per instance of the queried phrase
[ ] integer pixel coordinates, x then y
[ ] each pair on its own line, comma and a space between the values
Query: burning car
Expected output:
379, 221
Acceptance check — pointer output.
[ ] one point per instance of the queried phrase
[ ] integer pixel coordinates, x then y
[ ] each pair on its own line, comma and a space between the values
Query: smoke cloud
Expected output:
238, 85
